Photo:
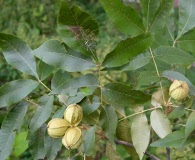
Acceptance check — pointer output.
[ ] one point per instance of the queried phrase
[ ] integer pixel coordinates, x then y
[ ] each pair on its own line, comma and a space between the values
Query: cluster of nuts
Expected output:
178, 90
67, 127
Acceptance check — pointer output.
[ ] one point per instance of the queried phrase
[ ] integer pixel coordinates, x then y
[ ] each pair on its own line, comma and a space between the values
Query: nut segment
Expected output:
72, 138
178, 90
73, 114
57, 127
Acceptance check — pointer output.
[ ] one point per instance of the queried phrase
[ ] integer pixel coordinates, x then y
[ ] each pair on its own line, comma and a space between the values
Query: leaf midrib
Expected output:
35, 74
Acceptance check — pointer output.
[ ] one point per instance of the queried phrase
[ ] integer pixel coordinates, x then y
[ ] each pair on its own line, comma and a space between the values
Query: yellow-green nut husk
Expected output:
72, 138
178, 90
73, 114
57, 127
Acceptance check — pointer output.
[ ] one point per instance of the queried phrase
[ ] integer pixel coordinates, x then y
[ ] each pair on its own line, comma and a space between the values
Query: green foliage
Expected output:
140, 131
54, 54
160, 123
175, 139
126, 50
122, 89
89, 141
10, 126
20, 143
15, 91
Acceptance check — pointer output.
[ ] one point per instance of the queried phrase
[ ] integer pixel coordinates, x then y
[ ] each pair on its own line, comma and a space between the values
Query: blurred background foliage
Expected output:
36, 21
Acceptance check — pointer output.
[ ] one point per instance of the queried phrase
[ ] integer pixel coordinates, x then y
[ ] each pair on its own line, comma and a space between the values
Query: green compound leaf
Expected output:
161, 15
190, 125
52, 147
44, 70
20, 144
88, 80
18, 54
148, 9
172, 140
122, 94
90, 106
108, 122
128, 49
160, 123
138, 62
146, 79
88, 144
36, 143
172, 55
42, 113
15, 91
186, 16
59, 78
140, 131
54, 54
77, 29
10, 125
187, 41
124, 16
177, 113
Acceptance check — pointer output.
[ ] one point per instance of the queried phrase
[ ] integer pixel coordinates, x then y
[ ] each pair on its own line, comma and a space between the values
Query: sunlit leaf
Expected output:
124, 16
20, 144
18, 54
127, 49
140, 131
160, 123
15, 91
159, 97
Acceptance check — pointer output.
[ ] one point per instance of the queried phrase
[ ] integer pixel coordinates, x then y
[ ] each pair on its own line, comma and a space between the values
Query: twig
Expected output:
168, 151
138, 113
131, 145
174, 106
158, 74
